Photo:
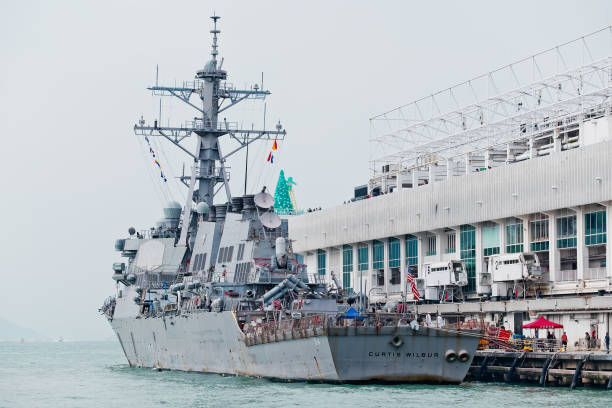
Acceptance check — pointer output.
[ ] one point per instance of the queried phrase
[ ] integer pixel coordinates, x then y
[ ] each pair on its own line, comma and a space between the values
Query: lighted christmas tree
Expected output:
282, 200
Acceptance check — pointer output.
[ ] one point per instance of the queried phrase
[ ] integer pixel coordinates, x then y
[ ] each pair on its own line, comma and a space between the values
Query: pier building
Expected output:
515, 161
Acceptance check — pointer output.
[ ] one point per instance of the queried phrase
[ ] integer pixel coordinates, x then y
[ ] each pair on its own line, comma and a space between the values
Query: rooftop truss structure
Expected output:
511, 105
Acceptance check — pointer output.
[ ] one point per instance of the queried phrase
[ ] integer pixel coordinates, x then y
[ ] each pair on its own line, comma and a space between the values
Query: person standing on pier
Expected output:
587, 339
564, 341
607, 340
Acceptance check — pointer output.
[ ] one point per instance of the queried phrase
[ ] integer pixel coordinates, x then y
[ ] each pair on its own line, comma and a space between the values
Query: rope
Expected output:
156, 187
178, 190
163, 189
256, 181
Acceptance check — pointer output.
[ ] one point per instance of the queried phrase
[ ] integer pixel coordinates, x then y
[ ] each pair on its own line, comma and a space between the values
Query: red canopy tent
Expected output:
542, 323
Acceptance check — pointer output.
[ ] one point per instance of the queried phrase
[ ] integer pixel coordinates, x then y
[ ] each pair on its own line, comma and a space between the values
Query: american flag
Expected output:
415, 292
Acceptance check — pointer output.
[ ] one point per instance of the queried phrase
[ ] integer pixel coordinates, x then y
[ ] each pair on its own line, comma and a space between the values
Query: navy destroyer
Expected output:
217, 288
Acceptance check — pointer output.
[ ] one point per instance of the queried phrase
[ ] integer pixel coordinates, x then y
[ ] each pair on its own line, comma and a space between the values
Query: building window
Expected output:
395, 276
378, 256
347, 265
394, 253
321, 258
566, 232
431, 245
595, 228
539, 246
362, 257
490, 251
380, 277
514, 237
468, 254
490, 240
538, 230
412, 250
451, 245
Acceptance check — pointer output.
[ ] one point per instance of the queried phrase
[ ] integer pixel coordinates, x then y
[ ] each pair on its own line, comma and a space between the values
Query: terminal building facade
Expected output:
525, 170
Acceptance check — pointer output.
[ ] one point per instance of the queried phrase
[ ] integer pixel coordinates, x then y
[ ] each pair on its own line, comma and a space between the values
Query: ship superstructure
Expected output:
217, 288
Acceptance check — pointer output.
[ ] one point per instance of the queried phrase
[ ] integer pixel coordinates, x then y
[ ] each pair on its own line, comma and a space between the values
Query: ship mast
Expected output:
216, 96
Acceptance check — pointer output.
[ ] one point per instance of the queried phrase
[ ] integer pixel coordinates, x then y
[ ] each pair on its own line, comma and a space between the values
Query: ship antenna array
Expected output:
209, 173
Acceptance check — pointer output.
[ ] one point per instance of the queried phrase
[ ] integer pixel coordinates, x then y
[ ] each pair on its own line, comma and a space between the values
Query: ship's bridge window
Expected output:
202, 261
240, 252
195, 262
229, 254
221, 254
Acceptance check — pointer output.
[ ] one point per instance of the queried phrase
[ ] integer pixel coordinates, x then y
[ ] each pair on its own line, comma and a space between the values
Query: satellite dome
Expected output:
172, 210
131, 230
173, 204
202, 208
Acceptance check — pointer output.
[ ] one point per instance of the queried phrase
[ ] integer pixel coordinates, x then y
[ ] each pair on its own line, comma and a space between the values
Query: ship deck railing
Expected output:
275, 330
287, 329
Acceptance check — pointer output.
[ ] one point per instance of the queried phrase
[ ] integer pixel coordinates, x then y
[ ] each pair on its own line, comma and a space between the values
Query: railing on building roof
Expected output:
524, 99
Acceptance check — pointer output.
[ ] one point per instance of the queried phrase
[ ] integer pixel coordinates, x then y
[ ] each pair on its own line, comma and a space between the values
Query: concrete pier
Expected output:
567, 369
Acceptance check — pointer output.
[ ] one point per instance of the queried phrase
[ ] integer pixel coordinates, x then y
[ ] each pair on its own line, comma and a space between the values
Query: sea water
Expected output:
95, 374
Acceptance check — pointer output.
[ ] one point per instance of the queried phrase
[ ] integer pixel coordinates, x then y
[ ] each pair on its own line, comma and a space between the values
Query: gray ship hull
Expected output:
213, 342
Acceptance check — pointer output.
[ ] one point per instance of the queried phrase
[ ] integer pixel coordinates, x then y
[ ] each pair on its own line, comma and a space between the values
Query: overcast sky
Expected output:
73, 74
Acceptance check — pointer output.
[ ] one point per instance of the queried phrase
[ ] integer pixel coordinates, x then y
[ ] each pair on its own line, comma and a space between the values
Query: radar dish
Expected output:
264, 200
270, 220
202, 208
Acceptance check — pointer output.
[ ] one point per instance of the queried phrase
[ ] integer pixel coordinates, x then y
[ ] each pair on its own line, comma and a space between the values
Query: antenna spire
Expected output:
214, 32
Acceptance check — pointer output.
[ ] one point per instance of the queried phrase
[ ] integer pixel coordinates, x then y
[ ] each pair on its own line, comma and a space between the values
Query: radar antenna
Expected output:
216, 95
